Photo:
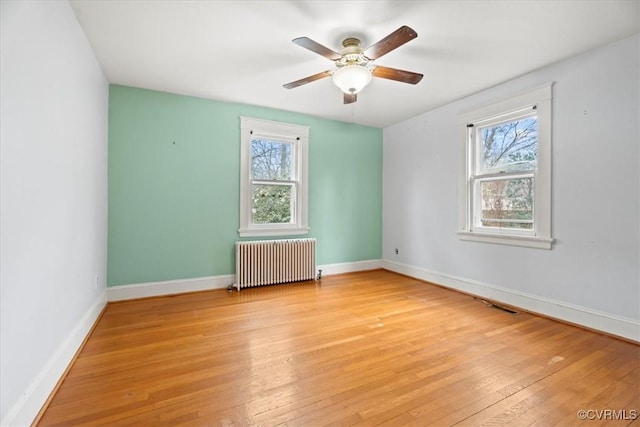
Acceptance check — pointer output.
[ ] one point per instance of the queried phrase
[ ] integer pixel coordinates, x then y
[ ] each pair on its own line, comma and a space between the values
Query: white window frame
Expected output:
297, 135
539, 99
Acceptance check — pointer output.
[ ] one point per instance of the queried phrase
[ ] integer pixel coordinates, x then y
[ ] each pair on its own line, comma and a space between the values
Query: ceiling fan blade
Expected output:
350, 98
392, 41
306, 80
316, 47
403, 76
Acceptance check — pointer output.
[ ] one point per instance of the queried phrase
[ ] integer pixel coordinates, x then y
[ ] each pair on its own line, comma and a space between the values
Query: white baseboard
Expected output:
349, 267
25, 410
169, 287
606, 322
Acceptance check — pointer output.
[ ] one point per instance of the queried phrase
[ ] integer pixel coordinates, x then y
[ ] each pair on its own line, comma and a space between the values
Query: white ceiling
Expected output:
241, 51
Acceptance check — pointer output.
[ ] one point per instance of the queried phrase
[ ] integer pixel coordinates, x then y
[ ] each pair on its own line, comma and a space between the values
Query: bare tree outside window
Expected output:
510, 149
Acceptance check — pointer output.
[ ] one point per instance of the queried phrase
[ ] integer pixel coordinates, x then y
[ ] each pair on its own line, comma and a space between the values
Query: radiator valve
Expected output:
319, 276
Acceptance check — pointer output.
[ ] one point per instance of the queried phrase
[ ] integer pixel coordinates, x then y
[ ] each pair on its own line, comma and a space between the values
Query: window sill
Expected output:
536, 242
271, 232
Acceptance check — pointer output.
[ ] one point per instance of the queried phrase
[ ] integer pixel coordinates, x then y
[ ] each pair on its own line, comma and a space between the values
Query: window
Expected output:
505, 178
273, 178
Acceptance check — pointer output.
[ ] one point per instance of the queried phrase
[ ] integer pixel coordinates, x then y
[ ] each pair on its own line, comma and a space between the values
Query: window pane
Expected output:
510, 146
507, 203
272, 204
270, 159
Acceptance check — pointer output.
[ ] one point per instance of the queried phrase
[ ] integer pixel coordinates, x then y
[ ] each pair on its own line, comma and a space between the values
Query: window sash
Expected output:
476, 200
293, 173
292, 201
476, 143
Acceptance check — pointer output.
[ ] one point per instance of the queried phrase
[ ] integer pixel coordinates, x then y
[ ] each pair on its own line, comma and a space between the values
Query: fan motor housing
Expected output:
351, 53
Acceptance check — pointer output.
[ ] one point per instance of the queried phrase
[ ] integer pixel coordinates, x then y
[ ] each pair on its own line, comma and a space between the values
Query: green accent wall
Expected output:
174, 165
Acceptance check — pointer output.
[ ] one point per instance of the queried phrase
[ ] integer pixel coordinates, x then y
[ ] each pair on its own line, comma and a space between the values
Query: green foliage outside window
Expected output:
271, 204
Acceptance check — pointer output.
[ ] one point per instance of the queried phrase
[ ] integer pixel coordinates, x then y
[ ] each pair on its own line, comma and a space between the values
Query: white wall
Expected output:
53, 197
591, 276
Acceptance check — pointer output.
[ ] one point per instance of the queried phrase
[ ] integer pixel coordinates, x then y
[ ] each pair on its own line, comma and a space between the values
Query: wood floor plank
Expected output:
361, 349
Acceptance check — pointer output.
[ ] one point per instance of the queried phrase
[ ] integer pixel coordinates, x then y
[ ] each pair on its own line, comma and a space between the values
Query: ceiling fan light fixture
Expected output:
354, 66
352, 79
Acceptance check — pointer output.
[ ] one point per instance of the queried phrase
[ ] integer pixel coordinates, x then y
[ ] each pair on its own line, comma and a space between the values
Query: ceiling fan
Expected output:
354, 65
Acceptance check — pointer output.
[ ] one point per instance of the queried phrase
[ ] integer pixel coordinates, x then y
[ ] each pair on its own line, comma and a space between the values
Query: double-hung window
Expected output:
505, 185
273, 178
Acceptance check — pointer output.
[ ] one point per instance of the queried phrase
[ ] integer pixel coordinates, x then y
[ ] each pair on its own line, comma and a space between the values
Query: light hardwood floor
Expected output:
371, 348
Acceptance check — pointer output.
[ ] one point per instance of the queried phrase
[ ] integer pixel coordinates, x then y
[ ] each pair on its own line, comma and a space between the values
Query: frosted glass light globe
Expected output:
352, 78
